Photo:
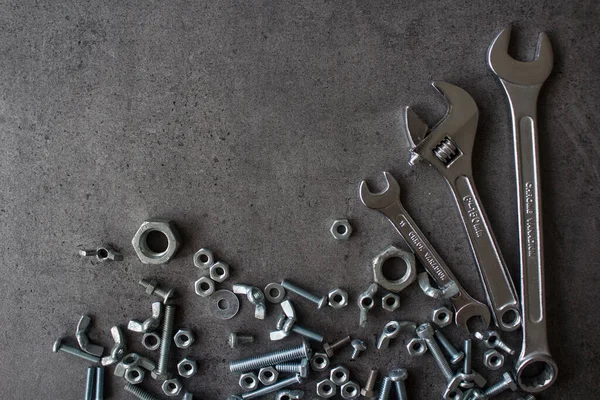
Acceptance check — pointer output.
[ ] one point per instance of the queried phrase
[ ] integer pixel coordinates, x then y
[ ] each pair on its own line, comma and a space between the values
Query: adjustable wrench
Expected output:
522, 82
388, 203
448, 148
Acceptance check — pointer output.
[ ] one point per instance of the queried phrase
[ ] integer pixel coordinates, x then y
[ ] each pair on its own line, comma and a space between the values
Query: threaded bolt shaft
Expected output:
319, 301
371, 380
468, 356
89, 383
290, 368
273, 388
332, 348
455, 355
165, 342
59, 346
307, 333
272, 358
426, 332
401, 390
99, 383
139, 392
386, 387
506, 383
236, 338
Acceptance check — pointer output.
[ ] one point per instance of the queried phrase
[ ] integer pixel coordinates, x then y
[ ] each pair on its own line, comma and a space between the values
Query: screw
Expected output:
89, 383
425, 332
275, 357
99, 383
273, 388
369, 390
331, 348
455, 355
492, 340
307, 333
358, 346
386, 387
58, 345
506, 383
468, 356
398, 376
151, 288
294, 368
139, 393
165, 344
236, 338
319, 301
285, 325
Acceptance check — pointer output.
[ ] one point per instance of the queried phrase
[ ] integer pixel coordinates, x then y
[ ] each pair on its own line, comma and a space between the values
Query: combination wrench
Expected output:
388, 203
536, 370
448, 147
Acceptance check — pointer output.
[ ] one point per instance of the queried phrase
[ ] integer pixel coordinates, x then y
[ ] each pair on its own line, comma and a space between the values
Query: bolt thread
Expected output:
273, 388
99, 383
442, 363
355, 354
504, 347
290, 367
245, 339
497, 388
165, 342
78, 353
89, 383
340, 343
445, 343
300, 330
272, 358
139, 392
386, 387
468, 356
301, 292
401, 390
372, 379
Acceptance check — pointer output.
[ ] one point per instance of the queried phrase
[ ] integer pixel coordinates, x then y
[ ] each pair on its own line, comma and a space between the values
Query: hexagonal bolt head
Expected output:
268, 375
219, 271
390, 302
203, 258
187, 368
184, 338
350, 390
416, 347
204, 286
339, 375
248, 381
319, 362
149, 241
338, 298
493, 360
171, 387
326, 389
442, 316
341, 229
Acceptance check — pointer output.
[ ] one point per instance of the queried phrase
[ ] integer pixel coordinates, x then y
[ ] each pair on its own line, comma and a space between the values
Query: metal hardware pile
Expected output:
448, 147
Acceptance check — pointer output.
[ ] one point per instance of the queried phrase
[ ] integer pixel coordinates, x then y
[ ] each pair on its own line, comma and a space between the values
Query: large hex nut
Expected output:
394, 285
339, 375
204, 286
326, 389
338, 298
416, 347
134, 375
219, 271
248, 381
390, 302
442, 316
350, 390
268, 375
204, 258
145, 242
184, 338
319, 362
187, 368
171, 387
493, 360
341, 229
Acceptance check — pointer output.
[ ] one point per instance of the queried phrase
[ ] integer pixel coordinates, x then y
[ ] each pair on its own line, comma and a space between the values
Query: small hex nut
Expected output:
326, 389
248, 381
319, 362
184, 338
493, 359
172, 387
341, 229
187, 368
268, 375
134, 375
219, 271
148, 252
339, 375
338, 298
350, 390
442, 316
390, 302
203, 258
416, 347
151, 341
131, 360
204, 286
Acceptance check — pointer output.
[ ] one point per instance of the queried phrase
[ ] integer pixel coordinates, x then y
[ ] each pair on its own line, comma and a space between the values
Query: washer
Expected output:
224, 304
276, 288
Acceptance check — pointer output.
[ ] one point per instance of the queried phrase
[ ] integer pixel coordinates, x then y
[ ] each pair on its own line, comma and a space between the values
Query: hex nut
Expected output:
151, 341
184, 338
268, 375
326, 389
350, 390
204, 286
394, 285
155, 253
338, 298
319, 362
203, 258
390, 302
134, 375
130, 360
341, 229
493, 359
416, 347
219, 271
187, 368
339, 375
248, 381
442, 316
171, 387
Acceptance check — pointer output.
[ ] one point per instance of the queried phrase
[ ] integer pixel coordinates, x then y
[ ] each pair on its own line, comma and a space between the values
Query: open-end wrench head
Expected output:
383, 199
470, 310
518, 72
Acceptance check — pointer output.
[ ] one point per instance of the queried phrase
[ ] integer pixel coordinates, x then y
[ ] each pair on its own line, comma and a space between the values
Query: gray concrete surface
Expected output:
251, 124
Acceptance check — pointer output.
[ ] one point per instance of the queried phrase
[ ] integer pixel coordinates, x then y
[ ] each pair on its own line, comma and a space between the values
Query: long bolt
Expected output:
468, 356
307, 333
139, 392
331, 348
369, 390
272, 358
398, 376
89, 383
165, 342
319, 301
236, 338
386, 387
425, 332
506, 383
59, 346
164, 294
99, 383
455, 355
294, 367
273, 388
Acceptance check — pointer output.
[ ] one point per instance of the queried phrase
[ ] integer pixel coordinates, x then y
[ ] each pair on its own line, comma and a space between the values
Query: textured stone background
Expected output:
251, 125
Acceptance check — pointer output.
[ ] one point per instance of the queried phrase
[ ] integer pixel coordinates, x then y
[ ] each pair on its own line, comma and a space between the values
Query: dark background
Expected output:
250, 125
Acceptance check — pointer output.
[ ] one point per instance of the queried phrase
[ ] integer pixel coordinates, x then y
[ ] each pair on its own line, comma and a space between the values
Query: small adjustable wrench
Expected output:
388, 203
448, 147
522, 82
